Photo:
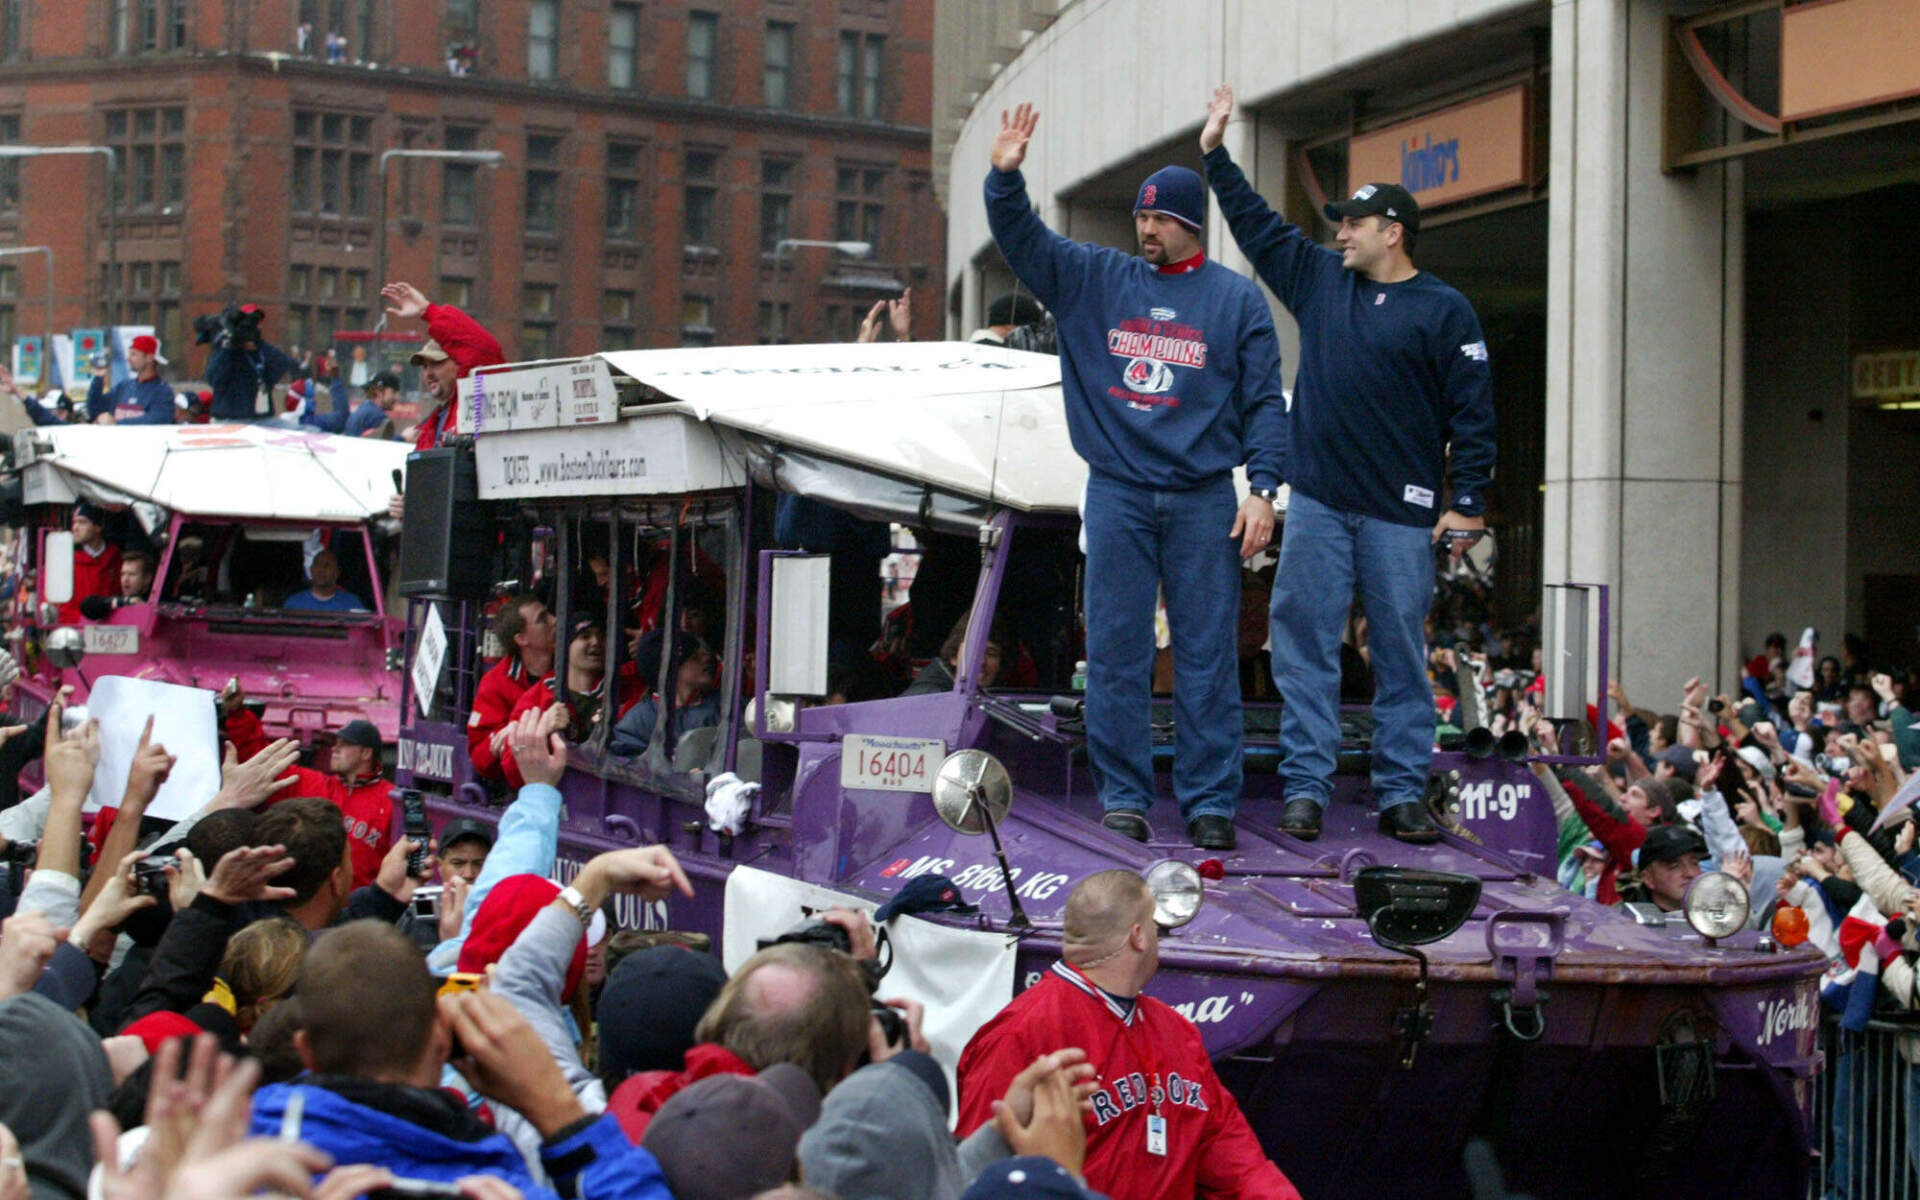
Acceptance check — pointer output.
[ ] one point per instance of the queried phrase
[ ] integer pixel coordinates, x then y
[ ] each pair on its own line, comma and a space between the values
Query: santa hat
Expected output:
509, 908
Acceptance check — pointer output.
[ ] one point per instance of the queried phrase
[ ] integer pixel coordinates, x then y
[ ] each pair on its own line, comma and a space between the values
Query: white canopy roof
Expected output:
977, 420
247, 471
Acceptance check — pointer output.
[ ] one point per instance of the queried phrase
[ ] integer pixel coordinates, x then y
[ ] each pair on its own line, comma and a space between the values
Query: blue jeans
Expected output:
1324, 552
1138, 538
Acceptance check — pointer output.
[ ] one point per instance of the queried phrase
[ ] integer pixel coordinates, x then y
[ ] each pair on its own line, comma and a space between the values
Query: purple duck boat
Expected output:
1374, 1006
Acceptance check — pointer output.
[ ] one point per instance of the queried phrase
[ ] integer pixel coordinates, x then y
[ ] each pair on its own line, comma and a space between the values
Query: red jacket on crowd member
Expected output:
93, 575
366, 807
640, 1096
539, 695
493, 703
1620, 835
469, 345
1151, 1062
244, 729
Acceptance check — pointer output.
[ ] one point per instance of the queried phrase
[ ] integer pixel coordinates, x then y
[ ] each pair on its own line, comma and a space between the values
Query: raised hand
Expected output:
247, 873
1215, 130
1010, 147
539, 749
870, 324
251, 783
1055, 1129
27, 941
151, 766
900, 316
404, 300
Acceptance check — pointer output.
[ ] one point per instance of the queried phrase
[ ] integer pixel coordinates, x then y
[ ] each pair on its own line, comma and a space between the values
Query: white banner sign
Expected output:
962, 976
183, 722
428, 659
555, 395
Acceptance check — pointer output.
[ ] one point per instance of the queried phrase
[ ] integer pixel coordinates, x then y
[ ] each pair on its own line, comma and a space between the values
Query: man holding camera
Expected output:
244, 366
145, 399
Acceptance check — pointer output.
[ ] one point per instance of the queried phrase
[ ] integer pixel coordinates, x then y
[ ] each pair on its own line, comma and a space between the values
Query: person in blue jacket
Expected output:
374, 1040
382, 393
1170, 369
145, 399
1394, 392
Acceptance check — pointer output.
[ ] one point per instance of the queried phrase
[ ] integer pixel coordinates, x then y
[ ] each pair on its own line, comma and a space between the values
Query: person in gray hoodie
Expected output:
883, 1134
40, 1041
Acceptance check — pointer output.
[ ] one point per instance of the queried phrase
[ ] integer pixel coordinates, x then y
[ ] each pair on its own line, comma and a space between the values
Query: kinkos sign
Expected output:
1425, 165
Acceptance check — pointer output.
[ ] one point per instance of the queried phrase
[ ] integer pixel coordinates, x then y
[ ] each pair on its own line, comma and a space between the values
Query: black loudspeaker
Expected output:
447, 534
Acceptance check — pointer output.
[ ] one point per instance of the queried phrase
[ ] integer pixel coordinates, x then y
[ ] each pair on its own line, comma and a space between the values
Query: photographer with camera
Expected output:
146, 399
244, 366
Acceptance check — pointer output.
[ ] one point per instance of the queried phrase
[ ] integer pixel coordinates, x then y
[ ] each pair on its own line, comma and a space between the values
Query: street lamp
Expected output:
46, 347
111, 306
489, 158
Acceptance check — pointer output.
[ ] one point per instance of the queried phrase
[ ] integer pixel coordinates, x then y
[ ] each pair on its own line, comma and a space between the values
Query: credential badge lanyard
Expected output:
1156, 1094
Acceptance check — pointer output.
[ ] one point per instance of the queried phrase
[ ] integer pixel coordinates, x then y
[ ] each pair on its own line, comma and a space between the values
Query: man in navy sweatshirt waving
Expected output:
1171, 372
1393, 376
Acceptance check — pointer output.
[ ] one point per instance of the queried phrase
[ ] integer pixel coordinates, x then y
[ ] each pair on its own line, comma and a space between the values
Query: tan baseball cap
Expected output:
429, 353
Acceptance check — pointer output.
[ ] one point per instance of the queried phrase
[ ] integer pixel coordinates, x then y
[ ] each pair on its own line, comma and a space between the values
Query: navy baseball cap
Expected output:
1388, 200
927, 893
359, 732
1029, 1176
385, 379
1177, 192
465, 829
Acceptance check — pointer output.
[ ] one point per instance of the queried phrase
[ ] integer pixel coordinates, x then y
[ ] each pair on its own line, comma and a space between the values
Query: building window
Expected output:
456, 291
12, 28
543, 183
536, 341
623, 46
696, 320
776, 201
543, 39
463, 20
703, 176
9, 167
332, 163
540, 299
461, 181
703, 45
616, 306
859, 204
152, 144
773, 323
148, 26
857, 75
617, 337
778, 76
623, 190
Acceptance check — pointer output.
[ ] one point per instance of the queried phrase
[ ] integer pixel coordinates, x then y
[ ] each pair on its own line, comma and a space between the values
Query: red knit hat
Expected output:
509, 908
157, 1028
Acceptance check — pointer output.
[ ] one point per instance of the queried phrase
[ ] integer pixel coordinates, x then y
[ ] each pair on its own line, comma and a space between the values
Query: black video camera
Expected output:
235, 325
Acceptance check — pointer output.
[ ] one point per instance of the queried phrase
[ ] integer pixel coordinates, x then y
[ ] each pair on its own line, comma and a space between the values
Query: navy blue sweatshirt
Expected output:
132, 401
1391, 374
1172, 379
236, 377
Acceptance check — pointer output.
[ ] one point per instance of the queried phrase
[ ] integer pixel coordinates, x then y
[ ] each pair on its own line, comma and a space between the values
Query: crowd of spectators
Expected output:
231, 1003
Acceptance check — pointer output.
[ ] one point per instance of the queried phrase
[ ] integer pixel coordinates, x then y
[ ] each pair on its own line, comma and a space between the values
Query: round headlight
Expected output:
1717, 905
1176, 892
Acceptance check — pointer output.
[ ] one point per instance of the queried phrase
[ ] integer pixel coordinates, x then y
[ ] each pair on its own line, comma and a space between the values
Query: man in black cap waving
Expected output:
1393, 393
352, 781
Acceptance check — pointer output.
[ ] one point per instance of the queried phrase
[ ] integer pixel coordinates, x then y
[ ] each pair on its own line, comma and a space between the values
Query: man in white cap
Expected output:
146, 399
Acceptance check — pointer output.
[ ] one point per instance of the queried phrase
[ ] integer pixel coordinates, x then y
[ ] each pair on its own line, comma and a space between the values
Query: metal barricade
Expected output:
1867, 1113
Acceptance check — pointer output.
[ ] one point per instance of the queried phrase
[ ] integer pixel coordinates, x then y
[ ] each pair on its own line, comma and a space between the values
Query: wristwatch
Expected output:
1270, 495
578, 903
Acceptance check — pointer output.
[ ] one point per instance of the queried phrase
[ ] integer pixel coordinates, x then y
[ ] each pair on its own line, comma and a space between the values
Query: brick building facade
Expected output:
655, 155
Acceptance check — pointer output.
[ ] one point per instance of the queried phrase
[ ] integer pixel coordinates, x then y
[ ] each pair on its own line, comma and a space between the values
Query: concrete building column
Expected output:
1644, 312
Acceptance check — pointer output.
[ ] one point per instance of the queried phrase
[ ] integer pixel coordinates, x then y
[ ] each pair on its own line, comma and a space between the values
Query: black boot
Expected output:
1301, 818
1211, 831
1410, 823
1126, 823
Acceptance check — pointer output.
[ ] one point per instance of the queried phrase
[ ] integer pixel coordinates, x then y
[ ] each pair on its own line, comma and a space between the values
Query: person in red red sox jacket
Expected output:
1162, 1124
524, 629
456, 344
354, 784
